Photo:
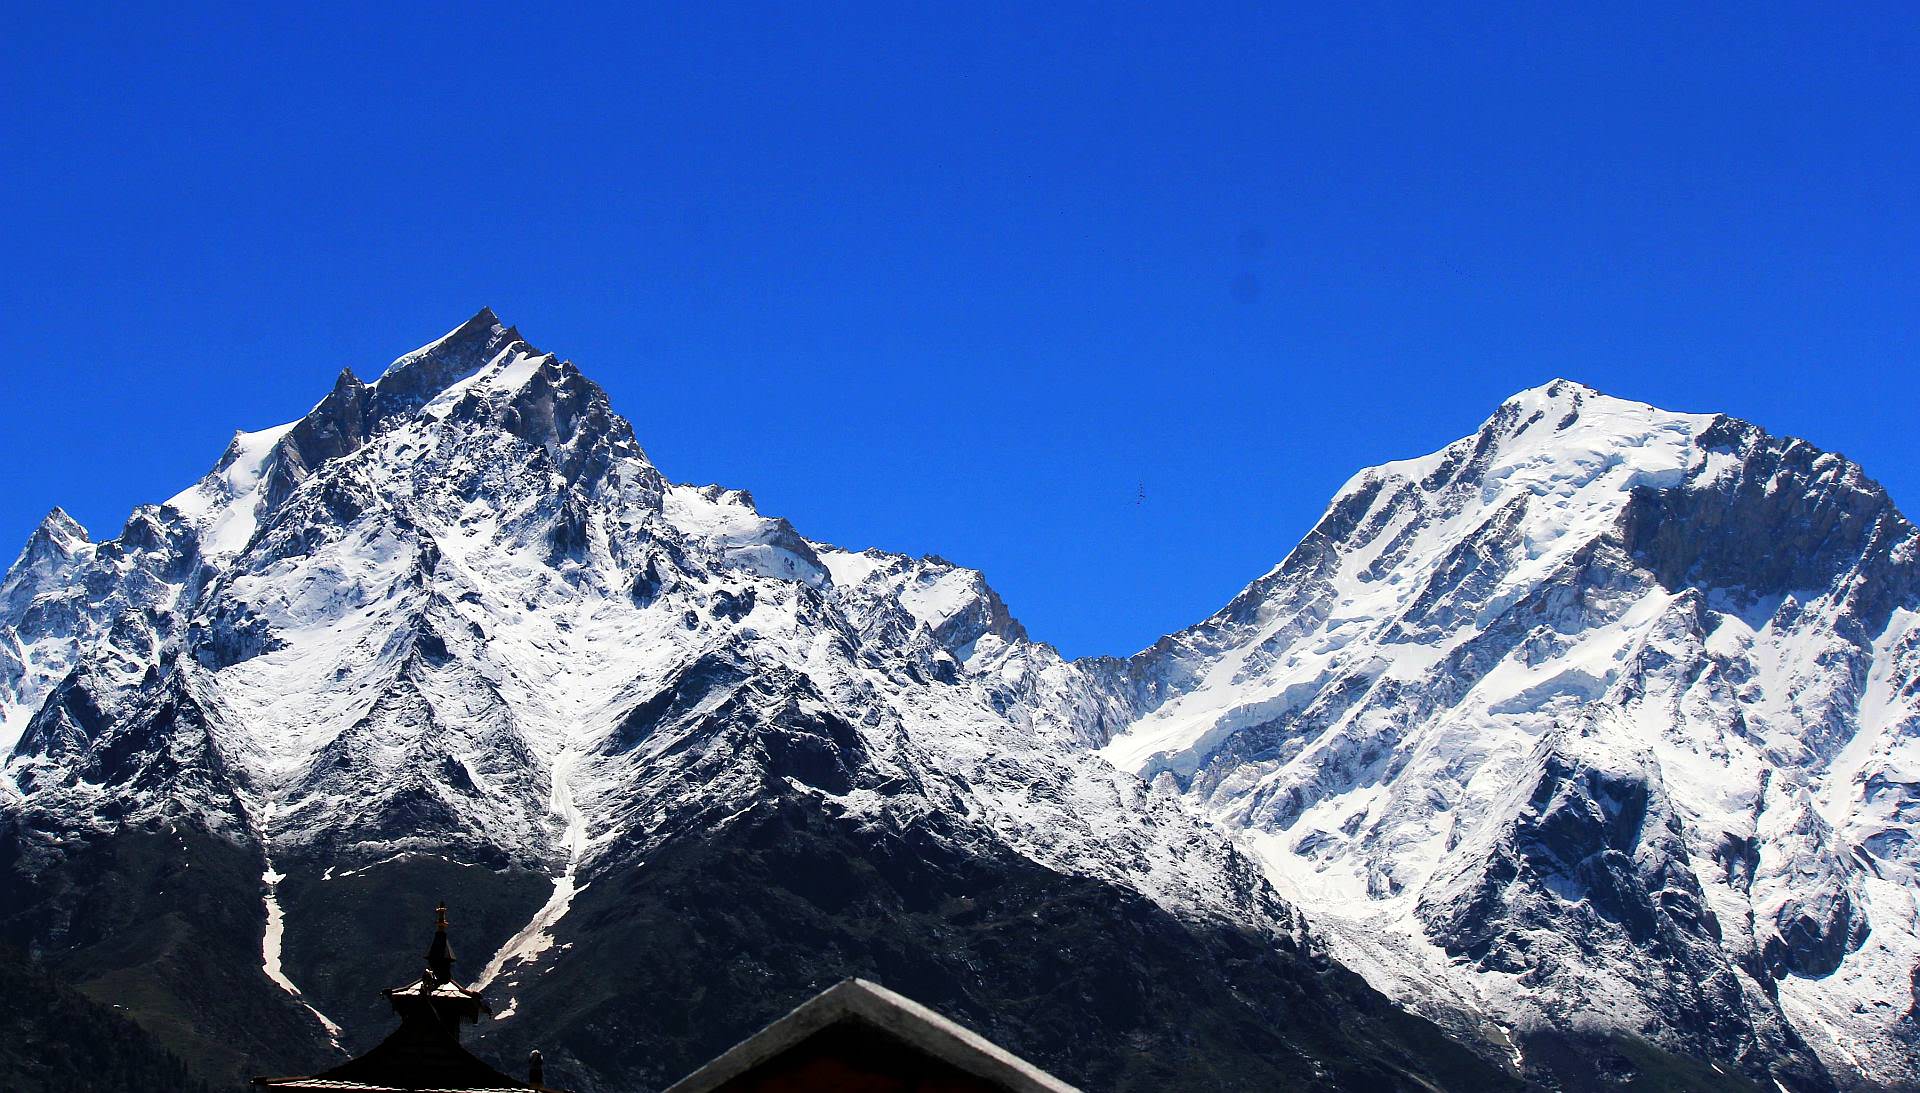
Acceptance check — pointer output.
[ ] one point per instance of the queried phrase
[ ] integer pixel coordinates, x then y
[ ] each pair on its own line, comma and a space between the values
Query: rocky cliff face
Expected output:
451, 634
1601, 721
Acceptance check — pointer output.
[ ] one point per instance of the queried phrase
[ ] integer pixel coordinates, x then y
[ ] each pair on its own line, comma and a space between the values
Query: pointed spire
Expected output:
479, 335
440, 953
58, 521
60, 531
54, 544
417, 377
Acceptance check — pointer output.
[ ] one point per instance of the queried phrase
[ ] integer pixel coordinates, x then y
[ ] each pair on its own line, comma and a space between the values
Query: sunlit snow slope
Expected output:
1603, 719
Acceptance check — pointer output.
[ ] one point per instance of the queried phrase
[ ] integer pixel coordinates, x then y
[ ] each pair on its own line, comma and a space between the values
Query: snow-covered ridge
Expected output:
480, 357
1596, 681
1556, 460
456, 614
1733, 607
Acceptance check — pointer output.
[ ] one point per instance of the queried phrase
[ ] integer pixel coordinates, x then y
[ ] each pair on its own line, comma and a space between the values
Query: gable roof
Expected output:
870, 1004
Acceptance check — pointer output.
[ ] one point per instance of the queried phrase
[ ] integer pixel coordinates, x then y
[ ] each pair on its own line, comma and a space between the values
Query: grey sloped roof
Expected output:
857, 1000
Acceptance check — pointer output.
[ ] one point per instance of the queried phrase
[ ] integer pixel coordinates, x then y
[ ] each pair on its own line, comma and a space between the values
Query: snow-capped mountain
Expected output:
1590, 738
451, 634
1602, 722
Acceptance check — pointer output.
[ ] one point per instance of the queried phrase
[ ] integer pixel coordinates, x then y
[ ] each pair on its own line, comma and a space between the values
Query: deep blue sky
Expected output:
966, 284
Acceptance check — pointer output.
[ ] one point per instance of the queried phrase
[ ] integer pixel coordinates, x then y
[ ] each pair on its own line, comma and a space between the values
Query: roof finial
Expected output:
440, 953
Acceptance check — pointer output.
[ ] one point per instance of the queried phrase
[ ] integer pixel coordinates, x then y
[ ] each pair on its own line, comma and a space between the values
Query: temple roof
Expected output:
436, 985
438, 989
424, 1054
882, 1034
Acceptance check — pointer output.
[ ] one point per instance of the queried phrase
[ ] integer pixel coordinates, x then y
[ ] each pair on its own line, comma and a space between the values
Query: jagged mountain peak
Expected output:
57, 536
1374, 713
1541, 438
452, 625
415, 378
58, 526
57, 546
480, 375
1595, 682
483, 333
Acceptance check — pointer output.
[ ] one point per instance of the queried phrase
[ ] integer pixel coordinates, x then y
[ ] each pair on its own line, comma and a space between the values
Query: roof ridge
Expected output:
893, 1014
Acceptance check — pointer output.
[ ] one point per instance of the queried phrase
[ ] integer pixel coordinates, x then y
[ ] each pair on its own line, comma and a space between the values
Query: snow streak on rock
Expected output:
271, 941
537, 936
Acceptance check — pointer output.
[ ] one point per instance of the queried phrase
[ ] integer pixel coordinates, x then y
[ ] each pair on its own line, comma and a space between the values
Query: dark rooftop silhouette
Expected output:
425, 1051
